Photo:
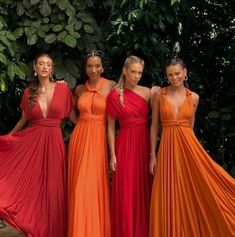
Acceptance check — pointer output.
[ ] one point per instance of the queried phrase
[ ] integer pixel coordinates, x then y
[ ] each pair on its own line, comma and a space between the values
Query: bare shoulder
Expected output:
195, 97
108, 86
79, 90
110, 83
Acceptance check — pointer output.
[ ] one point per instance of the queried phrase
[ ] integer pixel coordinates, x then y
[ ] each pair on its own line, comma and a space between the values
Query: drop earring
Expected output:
35, 74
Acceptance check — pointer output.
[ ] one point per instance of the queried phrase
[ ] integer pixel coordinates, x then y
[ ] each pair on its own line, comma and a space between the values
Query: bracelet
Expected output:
152, 154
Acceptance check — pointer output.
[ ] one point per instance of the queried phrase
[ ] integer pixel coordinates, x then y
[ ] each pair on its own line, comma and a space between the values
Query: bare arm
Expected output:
154, 89
195, 104
111, 142
20, 124
154, 132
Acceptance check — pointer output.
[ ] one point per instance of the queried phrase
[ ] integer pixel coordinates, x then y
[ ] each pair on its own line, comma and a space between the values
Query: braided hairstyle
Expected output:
175, 61
34, 83
122, 79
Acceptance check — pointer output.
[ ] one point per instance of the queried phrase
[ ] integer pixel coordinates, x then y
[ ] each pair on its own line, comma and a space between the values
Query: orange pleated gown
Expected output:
89, 204
192, 195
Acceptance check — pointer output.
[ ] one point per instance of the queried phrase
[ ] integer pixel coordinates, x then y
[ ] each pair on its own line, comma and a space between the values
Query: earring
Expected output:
35, 74
186, 78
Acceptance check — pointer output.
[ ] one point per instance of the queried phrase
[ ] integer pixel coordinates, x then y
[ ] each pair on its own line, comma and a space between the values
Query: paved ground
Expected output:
9, 231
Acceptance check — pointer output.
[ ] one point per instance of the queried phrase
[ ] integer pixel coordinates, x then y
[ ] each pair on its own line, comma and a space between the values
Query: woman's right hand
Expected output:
113, 163
152, 165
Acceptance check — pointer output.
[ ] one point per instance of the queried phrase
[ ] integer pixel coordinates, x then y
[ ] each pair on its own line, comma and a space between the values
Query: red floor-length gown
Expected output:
32, 170
192, 196
131, 184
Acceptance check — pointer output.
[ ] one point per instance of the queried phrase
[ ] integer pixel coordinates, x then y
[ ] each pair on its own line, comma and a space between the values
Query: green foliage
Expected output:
202, 32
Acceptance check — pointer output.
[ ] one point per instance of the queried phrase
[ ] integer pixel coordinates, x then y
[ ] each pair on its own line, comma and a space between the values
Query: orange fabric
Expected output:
89, 211
192, 195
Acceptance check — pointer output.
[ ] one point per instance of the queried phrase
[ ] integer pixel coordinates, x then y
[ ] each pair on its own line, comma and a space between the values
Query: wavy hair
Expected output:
34, 82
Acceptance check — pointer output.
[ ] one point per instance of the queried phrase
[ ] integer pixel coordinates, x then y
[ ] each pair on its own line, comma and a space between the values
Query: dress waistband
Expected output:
176, 123
46, 122
133, 122
94, 118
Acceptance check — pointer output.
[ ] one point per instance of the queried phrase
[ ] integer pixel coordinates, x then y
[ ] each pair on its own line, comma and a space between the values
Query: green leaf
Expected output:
3, 59
19, 72
45, 28
10, 36
18, 32
62, 4
52, 1
88, 28
70, 41
50, 38
78, 25
46, 20
20, 9
3, 85
2, 22
41, 33
57, 28
85, 17
174, 1
61, 35
30, 31
33, 2
32, 39
45, 8
10, 70
70, 11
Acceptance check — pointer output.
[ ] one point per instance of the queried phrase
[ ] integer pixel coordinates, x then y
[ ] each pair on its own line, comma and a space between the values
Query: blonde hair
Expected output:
122, 79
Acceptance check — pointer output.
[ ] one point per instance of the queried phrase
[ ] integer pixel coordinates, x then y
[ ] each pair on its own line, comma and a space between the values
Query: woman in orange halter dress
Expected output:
192, 195
89, 203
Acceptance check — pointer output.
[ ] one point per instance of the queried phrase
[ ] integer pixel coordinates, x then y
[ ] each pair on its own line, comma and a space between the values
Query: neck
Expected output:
130, 87
93, 82
176, 89
45, 82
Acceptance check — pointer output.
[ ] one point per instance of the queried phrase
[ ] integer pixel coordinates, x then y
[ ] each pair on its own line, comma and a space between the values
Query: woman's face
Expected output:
176, 74
94, 68
133, 73
43, 66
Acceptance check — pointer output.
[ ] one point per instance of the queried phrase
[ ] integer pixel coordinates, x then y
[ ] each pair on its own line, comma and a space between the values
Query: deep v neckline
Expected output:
49, 106
176, 115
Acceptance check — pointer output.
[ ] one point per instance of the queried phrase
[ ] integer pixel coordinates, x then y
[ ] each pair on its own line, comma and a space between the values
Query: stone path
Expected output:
9, 231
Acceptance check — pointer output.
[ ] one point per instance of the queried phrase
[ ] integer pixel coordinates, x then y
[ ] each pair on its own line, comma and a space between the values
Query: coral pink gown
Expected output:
192, 196
32, 170
131, 182
89, 203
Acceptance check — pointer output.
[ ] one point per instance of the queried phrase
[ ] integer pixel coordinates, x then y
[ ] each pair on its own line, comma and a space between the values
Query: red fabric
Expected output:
131, 182
32, 170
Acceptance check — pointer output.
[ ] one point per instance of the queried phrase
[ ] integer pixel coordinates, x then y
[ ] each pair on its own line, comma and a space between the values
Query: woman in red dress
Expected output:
32, 160
129, 152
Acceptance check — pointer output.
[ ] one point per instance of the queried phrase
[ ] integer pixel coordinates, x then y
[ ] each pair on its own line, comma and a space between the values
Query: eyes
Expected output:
48, 64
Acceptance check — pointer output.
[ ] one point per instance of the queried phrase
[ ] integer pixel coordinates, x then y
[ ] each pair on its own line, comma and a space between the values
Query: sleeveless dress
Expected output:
192, 195
89, 204
32, 170
131, 182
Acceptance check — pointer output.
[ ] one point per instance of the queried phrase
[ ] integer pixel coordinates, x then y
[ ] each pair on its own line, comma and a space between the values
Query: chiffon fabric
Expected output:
89, 204
32, 170
131, 182
192, 195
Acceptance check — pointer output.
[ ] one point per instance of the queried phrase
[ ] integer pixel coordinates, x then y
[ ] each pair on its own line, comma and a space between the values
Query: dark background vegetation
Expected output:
201, 32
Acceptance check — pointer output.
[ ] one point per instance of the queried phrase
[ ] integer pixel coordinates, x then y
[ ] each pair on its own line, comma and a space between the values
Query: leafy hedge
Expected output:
200, 32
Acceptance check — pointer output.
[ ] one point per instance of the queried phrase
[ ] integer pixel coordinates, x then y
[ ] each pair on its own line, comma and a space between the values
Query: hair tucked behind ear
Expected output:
121, 82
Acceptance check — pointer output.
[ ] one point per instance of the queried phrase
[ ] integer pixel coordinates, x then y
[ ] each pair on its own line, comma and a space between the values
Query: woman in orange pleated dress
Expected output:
192, 195
88, 182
